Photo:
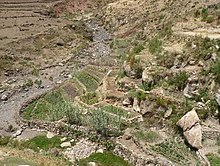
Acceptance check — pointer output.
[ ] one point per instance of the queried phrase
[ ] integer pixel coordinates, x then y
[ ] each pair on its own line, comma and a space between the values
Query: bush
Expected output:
106, 124
139, 94
4, 140
180, 80
155, 46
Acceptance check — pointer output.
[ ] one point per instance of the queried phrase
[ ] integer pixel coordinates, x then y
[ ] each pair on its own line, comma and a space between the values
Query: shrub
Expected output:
139, 94
4, 140
106, 124
180, 80
155, 45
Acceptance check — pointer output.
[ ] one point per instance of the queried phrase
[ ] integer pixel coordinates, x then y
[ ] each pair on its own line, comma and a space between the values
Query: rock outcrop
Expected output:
192, 129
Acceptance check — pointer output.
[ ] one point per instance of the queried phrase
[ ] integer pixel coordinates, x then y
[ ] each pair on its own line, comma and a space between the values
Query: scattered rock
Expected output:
136, 106
127, 102
60, 42
4, 97
17, 133
168, 113
65, 144
63, 139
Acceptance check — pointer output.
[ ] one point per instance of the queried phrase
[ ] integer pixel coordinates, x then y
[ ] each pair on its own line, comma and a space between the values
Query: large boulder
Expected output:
194, 136
192, 130
188, 120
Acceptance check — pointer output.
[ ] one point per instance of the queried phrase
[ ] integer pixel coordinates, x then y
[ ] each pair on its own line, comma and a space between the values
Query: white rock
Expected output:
194, 136
63, 139
50, 135
4, 97
168, 113
65, 144
100, 151
92, 164
18, 132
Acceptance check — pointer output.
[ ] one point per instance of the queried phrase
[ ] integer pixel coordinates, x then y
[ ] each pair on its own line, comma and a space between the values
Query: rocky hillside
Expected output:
113, 83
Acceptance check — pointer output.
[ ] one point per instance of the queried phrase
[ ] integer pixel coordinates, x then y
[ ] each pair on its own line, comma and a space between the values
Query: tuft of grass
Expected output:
104, 159
179, 81
155, 45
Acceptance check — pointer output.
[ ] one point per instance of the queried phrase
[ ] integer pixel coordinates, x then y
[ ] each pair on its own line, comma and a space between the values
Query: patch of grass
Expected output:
15, 161
175, 150
179, 81
149, 136
90, 98
215, 69
155, 45
90, 82
138, 48
104, 159
214, 159
118, 111
42, 142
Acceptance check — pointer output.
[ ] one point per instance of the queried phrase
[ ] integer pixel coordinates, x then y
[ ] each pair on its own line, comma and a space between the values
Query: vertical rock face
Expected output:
192, 129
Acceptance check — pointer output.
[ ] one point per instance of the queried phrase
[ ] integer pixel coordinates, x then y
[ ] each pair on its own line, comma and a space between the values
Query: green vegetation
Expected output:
15, 161
179, 81
48, 107
155, 46
42, 142
87, 80
135, 65
214, 159
104, 159
215, 69
175, 150
4, 140
138, 48
149, 136
139, 94
118, 111
106, 124
90, 98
